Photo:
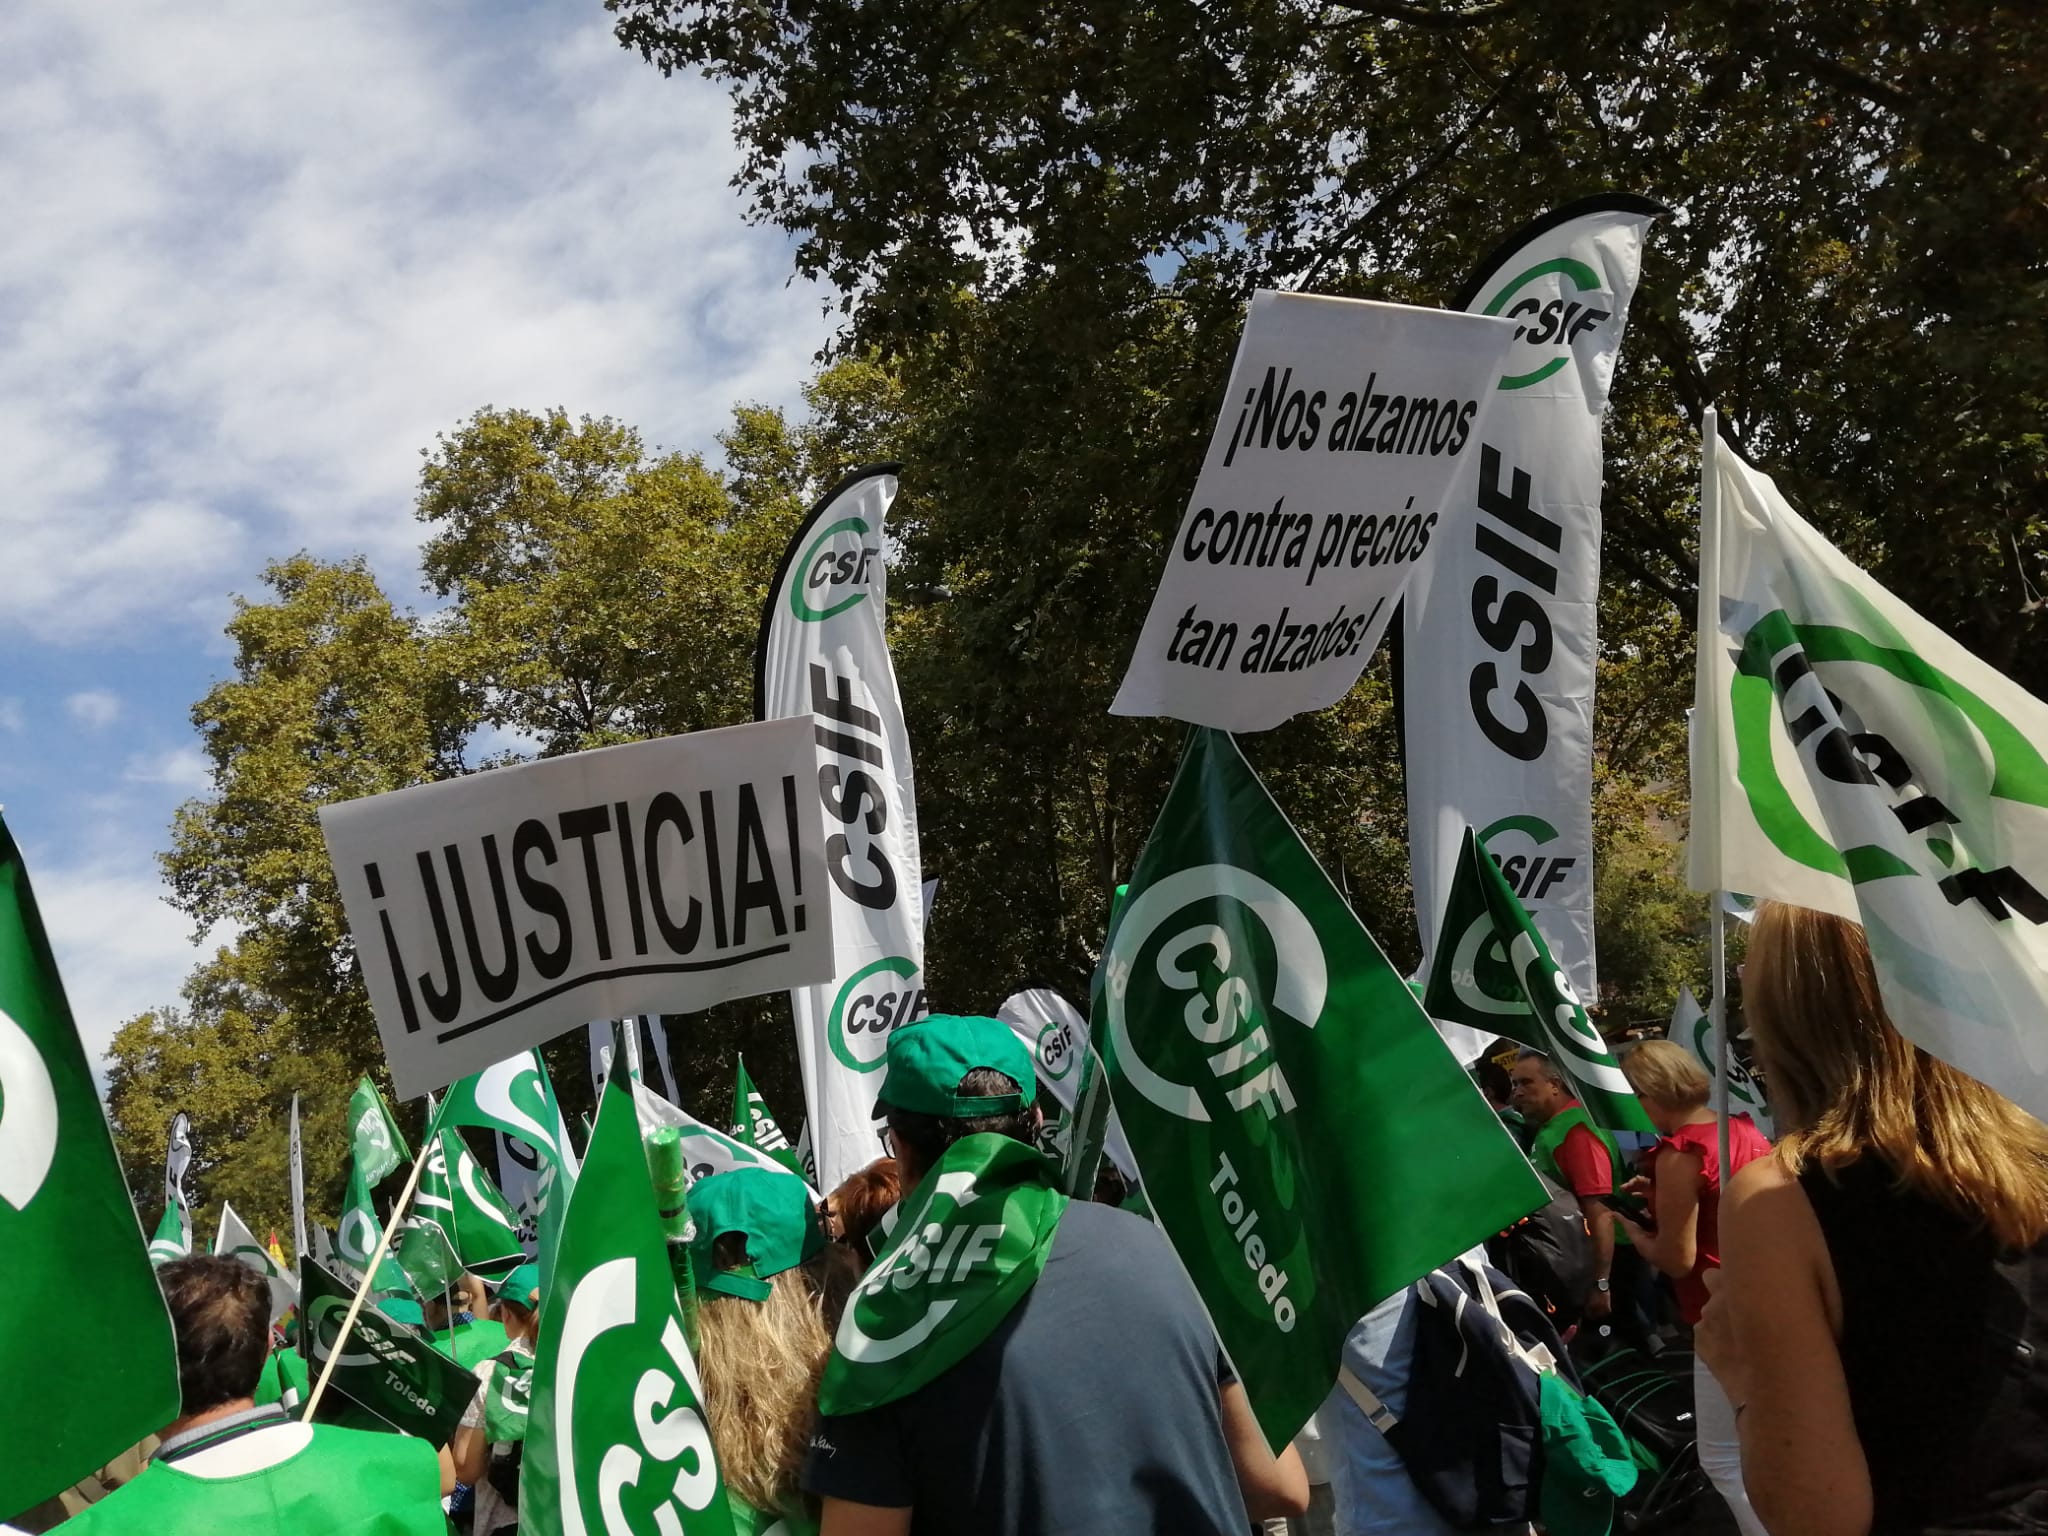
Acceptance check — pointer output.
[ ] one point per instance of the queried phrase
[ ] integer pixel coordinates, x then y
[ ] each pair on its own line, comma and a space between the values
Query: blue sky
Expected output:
257, 257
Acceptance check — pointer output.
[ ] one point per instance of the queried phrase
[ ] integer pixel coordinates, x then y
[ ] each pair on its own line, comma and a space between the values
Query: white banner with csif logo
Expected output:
496, 911
1055, 1032
1343, 429
823, 659
1499, 640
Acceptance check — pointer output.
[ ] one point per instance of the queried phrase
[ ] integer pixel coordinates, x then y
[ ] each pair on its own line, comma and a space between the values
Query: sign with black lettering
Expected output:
494, 912
1343, 428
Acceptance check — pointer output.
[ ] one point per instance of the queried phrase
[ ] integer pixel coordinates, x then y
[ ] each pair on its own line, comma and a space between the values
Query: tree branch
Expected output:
1429, 16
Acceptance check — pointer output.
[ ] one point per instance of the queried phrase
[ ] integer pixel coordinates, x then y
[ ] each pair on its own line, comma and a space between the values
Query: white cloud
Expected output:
182, 768
11, 717
273, 252
120, 948
95, 708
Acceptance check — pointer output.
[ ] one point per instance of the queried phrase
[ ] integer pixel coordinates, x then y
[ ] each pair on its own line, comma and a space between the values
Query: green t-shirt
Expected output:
342, 1482
473, 1342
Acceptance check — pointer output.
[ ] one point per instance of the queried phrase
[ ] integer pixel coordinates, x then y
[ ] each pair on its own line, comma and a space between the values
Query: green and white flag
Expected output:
426, 1255
1850, 757
73, 1398
517, 1098
388, 1367
616, 1440
458, 1196
170, 1241
379, 1144
234, 1240
356, 1238
1305, 1138
753, 1124
1493, 971
173, 1238
1693, 1027
705, 1151
971, 1244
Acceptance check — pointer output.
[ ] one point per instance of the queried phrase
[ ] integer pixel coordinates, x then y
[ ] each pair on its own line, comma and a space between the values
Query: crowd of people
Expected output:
1868, 1297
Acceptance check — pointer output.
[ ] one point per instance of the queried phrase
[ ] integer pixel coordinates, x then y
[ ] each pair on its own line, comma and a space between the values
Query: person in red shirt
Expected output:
1682, 1181
1572, 1151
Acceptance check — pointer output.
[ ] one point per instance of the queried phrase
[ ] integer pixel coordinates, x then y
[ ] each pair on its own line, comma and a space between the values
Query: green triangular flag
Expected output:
754, 1125
356, 1238
614, 1344
169, 1242
426, 1255
458, 1196
73, 1398
517, 1097
379, 1144
1277, 1082
1493, 971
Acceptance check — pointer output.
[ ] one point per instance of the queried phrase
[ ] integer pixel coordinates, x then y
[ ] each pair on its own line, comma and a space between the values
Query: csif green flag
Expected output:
170, 1241
516, 1097
390, 1368
754, 1125
378, 1143
458, 1196
1493, 971
71, 1398
616, 1438
1306, 1140
356, 1238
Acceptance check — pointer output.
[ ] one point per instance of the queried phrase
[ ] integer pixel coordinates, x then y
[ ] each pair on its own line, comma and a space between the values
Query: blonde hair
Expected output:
1666, 1072
760, 1362
1849, 1084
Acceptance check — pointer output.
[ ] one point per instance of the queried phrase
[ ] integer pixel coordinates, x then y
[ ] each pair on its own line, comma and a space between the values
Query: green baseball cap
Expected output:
520, 1285
772, 1210
927, 1061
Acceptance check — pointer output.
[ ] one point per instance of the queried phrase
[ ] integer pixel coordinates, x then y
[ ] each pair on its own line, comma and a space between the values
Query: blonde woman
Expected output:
756, 1263
1682, 1181
1881, 1317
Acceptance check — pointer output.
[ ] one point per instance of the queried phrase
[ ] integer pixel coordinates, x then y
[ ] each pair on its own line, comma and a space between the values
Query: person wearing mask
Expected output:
1108, 1333
1682, 1183
487, 1445
226, 1464
757, 1262
1573, 1152
1880, 1319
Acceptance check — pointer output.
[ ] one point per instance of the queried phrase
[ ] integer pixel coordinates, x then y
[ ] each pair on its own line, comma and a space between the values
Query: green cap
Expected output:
772, 1210
927, 1061
403, 1309
520, 1285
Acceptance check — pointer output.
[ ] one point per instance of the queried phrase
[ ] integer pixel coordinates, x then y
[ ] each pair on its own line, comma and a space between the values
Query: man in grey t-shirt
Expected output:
1101, 1402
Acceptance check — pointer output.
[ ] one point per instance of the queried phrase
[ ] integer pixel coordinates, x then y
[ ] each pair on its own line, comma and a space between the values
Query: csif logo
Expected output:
835, 572
1552, 324
602, 1426
1532, 875
882, 995
929, 1261
1055, 1050
1226, 998
28, 1116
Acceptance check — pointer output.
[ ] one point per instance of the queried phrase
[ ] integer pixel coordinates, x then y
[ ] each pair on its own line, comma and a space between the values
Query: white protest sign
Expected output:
494, 912
1343, 428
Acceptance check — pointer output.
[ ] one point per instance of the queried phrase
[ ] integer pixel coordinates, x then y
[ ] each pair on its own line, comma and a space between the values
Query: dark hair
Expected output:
926, 1137
220, 1312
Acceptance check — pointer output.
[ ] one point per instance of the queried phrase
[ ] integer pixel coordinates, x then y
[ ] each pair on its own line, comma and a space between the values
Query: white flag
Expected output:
236, 1241
298, 1176
823, 656
1499, 645
1851, 757
1693, 1027
1055, 1032
706, 1150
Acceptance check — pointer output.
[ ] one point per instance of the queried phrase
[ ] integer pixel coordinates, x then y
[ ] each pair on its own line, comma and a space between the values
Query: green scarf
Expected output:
973, 1239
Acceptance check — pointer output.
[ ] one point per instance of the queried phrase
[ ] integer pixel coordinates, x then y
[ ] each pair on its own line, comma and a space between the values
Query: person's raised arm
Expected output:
1274, 1487
1769, 1336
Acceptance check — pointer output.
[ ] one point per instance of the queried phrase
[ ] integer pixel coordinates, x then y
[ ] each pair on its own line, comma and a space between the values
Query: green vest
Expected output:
473, 1343
344, 1483
1544, 1152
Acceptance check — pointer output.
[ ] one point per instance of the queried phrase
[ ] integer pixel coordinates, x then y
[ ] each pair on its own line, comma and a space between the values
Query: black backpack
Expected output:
1471, 1432
1549, 1254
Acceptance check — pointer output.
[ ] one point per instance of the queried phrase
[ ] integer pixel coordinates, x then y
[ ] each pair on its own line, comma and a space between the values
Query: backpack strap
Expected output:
1538, 1357
1377, 1413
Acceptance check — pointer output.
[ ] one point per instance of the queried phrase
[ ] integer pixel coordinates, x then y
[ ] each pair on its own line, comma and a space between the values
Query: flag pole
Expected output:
355, 1306
630, 1028
1710, 618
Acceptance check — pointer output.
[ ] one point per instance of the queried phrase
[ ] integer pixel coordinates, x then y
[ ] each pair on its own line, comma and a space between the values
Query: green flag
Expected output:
752, 1124
356, 1238
517, 1097
1494, 972
972, 1243
379, 1144
169, 1242
458, 1196
426, 1255
1306, 1139
616, 1440
388, 1367
73, 1398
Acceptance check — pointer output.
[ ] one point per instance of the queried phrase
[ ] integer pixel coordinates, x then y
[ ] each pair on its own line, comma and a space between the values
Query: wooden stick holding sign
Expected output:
355, 1305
